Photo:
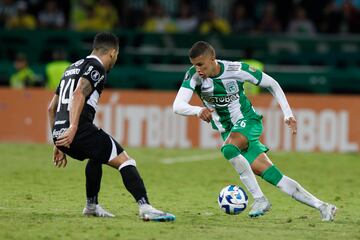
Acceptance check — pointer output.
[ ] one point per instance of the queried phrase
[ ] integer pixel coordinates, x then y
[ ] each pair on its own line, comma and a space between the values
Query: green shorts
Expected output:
251, 128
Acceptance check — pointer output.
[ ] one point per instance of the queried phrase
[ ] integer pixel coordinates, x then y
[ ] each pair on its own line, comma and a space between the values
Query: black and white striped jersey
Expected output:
91, 69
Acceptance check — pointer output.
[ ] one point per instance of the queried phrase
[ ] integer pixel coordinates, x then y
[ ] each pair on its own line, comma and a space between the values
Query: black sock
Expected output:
134, 184
93, 174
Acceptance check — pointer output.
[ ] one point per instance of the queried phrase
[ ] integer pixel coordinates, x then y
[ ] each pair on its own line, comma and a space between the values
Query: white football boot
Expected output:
327, 212
149, 213
259, 207
96, 210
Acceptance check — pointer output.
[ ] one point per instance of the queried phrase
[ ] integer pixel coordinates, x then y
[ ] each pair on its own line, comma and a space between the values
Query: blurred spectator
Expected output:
159, 21
55, 69
186, 22
351, 17
221, 8
269, 23
78, 12
135, 13
332, 19
8, 9
251, 89
24, 76
214, 24
301, 24
240, 21
100, 17
51, 16
23, 19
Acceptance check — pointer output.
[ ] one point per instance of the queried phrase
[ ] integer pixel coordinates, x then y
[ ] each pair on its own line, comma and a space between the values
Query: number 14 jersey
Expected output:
91, 69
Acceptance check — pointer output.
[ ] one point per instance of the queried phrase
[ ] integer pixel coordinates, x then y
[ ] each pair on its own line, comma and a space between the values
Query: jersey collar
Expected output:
96, 57
221, 70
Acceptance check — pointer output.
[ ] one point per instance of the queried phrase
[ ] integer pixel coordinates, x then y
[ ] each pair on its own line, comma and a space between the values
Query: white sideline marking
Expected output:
202, 157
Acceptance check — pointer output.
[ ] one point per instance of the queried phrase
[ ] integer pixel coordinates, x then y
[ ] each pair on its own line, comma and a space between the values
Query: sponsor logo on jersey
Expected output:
251, 69
95, 75
72, 72
222, 100
58, 133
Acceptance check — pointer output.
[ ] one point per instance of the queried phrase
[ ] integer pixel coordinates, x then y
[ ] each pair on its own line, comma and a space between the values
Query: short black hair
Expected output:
103, 42
201, 48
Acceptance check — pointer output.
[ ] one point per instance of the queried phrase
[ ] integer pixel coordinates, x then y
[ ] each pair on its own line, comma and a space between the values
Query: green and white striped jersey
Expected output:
224, 93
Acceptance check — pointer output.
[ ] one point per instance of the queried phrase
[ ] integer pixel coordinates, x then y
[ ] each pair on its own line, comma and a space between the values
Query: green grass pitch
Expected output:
39, 201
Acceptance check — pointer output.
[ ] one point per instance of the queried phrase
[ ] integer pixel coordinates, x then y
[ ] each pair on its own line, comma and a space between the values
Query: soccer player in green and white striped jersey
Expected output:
219, 84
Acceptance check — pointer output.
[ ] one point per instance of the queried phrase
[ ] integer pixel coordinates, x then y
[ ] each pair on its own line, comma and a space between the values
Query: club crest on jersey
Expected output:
95, 75
231, 87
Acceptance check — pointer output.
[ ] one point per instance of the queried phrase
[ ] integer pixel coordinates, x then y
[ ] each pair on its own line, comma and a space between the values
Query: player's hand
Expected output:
291, 122
205, 114
66, 139
59, 158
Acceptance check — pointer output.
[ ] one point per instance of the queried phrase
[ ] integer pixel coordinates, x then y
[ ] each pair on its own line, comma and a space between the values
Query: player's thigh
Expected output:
261, 163
243, 131
237, 139
99, 145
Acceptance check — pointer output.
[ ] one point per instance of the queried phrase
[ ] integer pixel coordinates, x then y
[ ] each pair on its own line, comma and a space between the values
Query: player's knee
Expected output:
272, 175
230, 151
237, 139
129, 162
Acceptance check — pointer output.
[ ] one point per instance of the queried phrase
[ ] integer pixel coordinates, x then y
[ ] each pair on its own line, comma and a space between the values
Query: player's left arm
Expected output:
273, 86
82, 90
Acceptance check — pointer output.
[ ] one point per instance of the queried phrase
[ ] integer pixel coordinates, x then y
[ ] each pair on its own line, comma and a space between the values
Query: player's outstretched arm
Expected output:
275, 89
82, 90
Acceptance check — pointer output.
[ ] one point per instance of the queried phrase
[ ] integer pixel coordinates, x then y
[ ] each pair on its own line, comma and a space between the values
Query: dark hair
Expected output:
201, 48
103, 42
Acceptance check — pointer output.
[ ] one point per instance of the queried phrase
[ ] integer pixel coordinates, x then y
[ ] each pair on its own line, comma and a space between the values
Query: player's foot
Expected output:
327, 212
149, 213
96, 210
259, 207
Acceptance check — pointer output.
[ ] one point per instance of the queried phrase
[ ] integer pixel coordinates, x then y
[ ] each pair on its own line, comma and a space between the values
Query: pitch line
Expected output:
195, 158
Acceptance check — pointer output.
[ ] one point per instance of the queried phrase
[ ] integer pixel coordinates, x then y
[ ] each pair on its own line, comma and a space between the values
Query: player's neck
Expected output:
216, 70
101, 59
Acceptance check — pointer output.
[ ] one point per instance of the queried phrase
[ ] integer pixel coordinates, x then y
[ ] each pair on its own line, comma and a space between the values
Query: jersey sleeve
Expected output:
189, 81
246, 73
95, 73
57, 91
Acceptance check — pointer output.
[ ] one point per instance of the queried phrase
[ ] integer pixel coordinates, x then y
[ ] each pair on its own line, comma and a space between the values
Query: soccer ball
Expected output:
233, 200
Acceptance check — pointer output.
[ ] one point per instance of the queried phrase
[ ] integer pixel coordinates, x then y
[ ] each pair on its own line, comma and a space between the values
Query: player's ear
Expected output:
112, 53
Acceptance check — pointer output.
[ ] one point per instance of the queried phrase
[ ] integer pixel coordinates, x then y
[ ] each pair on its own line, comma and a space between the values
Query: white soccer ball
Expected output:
233, 200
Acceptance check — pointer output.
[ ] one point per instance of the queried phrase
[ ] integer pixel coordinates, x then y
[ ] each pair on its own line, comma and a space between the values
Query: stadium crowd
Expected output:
204, 16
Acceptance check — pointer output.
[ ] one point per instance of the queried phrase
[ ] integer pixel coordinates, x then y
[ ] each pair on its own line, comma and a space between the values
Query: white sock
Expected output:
295, 190
247, 176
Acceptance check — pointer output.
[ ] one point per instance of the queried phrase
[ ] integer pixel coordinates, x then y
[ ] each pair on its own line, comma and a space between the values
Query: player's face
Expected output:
204, 65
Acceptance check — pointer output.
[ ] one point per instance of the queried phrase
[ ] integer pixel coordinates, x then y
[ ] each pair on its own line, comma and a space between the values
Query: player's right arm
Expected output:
181, 104
82, 90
